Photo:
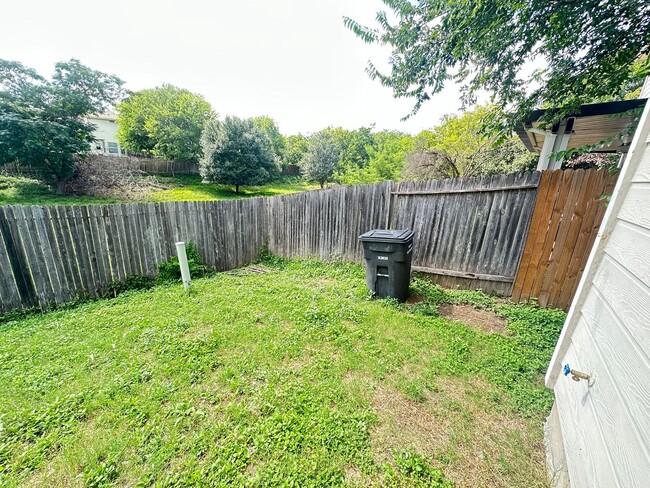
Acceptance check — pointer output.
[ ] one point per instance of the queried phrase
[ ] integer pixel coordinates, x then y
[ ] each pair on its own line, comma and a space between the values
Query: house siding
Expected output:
105, 130
606, 427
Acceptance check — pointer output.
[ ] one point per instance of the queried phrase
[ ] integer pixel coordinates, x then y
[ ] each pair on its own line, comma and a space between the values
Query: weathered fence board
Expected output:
567, 215
469, 232
49, 255
326, 223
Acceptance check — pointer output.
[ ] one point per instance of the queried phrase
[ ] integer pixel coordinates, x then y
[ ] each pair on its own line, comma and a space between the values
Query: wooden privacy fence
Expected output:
51, 254
564, 225
471, 233
146, 165
159, 166
326, 224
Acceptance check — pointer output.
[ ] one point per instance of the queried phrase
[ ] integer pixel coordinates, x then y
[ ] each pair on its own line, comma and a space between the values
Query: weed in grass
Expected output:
415, 470
101, 474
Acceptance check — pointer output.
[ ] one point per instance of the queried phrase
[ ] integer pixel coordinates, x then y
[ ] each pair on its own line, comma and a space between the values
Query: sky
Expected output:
293, 60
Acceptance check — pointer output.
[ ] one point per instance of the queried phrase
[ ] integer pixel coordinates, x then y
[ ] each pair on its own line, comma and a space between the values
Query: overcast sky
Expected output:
290, 59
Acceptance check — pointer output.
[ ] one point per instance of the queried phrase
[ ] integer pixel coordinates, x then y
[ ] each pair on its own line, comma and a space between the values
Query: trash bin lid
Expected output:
385, 235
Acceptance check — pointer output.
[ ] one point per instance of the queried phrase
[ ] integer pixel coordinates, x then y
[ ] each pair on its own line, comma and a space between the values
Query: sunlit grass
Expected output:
189, 187
290, 378
27, 191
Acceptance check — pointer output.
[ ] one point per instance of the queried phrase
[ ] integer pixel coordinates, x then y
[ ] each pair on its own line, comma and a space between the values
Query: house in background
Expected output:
105, 134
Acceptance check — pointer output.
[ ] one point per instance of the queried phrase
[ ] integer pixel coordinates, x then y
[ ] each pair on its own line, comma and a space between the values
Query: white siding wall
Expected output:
606, 428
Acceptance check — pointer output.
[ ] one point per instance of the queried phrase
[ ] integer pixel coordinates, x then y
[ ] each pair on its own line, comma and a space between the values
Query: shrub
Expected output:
171, 270
236, 152
131, 283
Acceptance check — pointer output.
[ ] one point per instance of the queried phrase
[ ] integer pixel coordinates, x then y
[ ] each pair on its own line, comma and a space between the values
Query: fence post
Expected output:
182, 261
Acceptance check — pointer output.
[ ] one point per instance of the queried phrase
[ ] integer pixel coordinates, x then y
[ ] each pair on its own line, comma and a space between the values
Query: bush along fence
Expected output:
527, 234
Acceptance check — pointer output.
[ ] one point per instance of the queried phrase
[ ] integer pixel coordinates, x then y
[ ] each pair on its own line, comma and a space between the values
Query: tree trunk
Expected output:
322, 184
236, 188
60, 187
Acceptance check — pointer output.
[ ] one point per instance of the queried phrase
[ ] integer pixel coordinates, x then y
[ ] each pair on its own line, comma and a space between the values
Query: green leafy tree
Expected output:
386, 158
457, 147
582, 51
236, 152
389, 156
322, 157
353, 145
270, 128
166, 121
42, 121
296, 148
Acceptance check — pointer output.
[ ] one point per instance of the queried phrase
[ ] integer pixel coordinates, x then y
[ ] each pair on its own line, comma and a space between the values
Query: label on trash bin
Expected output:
382, 258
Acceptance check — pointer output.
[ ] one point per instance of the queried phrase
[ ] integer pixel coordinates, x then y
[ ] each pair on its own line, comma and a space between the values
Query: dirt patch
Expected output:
352, 475
414, 299
404, 424
480, 318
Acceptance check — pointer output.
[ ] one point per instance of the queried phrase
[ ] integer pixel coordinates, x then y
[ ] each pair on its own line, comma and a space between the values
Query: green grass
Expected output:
26, 191
291, 378
189, 187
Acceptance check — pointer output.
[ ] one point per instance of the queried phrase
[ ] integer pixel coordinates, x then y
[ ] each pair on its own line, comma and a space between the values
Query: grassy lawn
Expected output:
189, 187
26, 191
290, 378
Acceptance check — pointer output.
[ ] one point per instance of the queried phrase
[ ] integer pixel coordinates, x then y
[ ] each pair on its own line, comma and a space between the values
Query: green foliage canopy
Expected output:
322, 157
42, 121
267, 125
389, 156
166, 121
295, 150
353, 145
236, 152
579, 51
386, 155
457, 147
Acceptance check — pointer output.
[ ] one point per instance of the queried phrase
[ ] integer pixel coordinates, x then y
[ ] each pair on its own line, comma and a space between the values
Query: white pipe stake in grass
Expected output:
182, 261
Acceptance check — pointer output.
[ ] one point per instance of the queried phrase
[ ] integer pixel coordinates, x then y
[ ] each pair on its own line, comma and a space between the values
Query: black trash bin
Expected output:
388, 262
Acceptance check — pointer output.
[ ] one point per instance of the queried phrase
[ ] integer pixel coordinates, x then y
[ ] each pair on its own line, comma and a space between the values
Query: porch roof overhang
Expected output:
589, 125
